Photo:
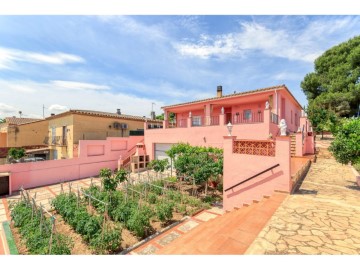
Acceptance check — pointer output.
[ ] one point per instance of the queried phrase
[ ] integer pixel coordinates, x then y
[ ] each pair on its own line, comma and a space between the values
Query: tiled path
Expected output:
323, 217
231, 233
165, 239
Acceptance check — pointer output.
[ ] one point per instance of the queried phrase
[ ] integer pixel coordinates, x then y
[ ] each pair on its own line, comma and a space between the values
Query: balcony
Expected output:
56, 141
182, 123
247, 118
205, 121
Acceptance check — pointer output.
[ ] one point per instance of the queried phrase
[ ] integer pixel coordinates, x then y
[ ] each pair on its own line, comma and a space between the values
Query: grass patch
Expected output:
10, 239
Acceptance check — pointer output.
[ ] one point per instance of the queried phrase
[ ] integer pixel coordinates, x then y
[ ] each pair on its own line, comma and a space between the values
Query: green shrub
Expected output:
346, 145
164, 211
139, 221
152, 198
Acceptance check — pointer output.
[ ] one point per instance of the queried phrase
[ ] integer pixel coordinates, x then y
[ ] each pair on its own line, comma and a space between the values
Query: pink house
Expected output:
254, 151
203, 122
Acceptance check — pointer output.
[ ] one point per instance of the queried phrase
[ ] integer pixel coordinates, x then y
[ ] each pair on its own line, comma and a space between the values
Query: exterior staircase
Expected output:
293, 145
231, 233
125, 161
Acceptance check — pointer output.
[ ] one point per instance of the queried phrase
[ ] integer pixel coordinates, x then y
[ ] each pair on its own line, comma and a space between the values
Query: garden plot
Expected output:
109, 217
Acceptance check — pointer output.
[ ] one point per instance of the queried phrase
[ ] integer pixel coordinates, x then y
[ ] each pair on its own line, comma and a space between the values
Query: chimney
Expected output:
152, 115
53, 114
219, 91
118, 111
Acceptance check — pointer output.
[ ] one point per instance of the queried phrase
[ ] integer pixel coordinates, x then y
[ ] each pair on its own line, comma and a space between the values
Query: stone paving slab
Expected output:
189, 225
168, 238
150, 249
205, 216
322, 217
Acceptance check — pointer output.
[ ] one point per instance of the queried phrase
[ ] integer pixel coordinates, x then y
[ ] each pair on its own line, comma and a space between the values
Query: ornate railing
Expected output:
258, 148
181, 123
55, 140
248, 118
214, 120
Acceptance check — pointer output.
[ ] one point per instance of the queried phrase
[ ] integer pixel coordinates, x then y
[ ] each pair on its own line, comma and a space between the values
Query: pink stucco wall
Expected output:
89, 163
306, 146
238, 167
291, 108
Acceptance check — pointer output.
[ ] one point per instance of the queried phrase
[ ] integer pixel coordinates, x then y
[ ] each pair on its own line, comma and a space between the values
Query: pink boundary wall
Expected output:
93, 156
308, 147
238, 167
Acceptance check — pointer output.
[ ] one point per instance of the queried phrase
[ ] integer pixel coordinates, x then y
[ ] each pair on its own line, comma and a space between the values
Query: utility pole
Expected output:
43, 111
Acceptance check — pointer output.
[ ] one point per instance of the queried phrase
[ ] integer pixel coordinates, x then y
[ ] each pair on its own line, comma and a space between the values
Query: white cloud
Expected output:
7, 109
79, 85
58, 99
305, 45
131, 26
57, 108
8, 57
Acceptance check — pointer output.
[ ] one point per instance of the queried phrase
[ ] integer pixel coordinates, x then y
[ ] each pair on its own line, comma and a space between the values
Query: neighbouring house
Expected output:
203, 122
25, 133
20, 132
65, 130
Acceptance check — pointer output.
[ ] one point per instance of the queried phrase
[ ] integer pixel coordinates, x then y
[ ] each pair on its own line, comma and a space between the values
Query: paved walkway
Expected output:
322, 217
163, 240
231, 233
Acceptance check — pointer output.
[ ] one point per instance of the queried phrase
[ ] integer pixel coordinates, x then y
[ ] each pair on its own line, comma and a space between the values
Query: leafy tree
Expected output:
16, 153
2, 120
110, 181
158, 165
197, 163
162, 117
335, 83
346, 146
322, 119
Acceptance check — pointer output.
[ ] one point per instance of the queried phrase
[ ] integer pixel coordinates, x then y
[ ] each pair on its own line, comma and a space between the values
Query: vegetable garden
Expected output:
105, 217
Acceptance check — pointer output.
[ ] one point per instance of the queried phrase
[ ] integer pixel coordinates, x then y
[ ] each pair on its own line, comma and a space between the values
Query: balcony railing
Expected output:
274, 118
56, 140
248, 118
214, 120
182, 123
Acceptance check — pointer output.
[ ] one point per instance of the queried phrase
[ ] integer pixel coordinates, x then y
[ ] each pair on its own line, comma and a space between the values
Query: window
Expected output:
247, 115
196, 121
296, 122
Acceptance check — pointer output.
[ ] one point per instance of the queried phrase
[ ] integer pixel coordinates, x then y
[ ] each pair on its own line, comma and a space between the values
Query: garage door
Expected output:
160, 149
4, 185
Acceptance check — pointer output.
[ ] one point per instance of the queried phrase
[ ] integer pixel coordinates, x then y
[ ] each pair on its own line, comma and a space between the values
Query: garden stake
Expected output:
52, 218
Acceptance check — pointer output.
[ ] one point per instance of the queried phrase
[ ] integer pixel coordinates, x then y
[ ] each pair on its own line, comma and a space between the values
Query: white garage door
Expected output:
160, 149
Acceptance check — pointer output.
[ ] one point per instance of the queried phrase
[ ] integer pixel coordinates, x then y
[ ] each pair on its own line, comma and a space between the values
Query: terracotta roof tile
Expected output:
19, 121
230, 95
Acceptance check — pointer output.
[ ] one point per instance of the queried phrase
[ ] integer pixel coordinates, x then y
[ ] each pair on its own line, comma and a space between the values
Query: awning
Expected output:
37, 150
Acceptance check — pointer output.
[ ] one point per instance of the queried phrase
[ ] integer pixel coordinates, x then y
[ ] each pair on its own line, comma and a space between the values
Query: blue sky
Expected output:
129, 62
